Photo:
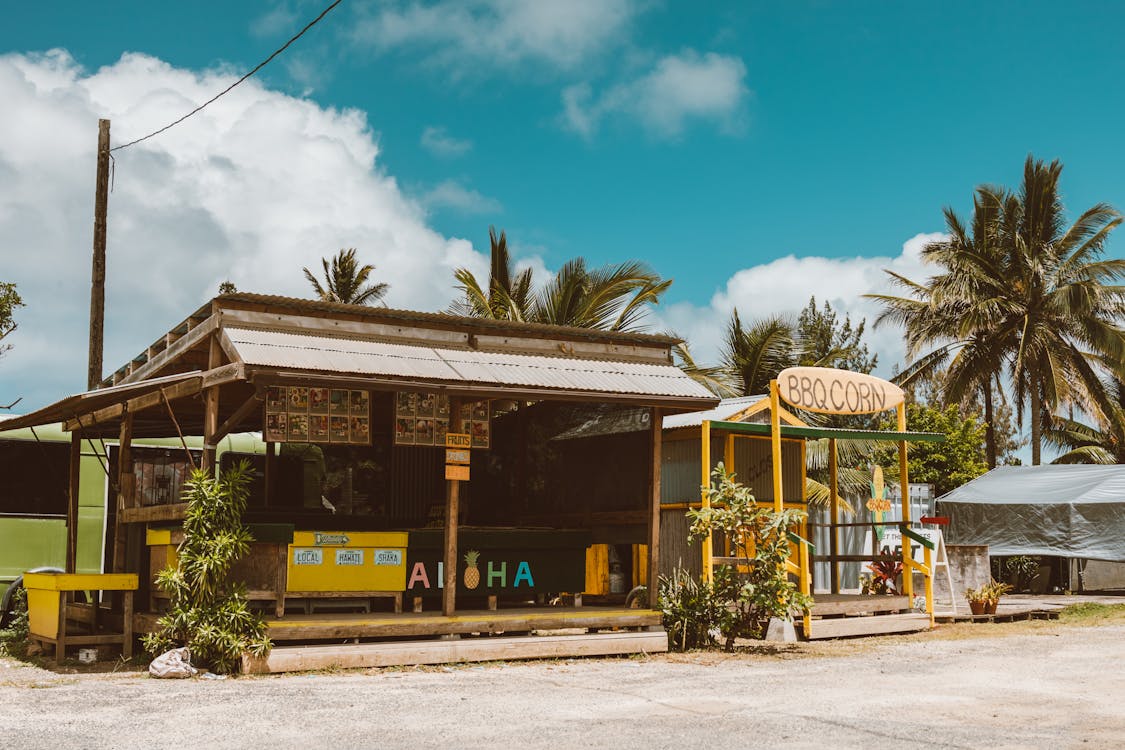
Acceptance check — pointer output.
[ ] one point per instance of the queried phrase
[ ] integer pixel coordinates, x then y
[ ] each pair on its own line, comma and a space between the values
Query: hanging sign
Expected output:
457, 456
458, 440
829, 391
456, 472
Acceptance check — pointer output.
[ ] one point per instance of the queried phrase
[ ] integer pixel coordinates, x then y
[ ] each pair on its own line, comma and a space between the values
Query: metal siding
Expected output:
304, 352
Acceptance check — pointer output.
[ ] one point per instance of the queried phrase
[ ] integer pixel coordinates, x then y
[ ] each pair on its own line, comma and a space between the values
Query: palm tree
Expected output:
954, 310
1059, 301
1100, 444
1025, 294
611, 298
755, 355
509, 294
715, 379
346, 281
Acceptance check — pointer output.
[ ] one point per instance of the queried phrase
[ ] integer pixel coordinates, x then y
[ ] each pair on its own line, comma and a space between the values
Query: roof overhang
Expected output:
818, 433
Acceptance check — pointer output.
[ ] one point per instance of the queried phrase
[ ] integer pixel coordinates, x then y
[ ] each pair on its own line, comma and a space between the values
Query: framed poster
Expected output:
423, 419
318, 428
360, 430
277, 430
298, 428
298, 399
338, 401
338, 429
276, 399
318, 400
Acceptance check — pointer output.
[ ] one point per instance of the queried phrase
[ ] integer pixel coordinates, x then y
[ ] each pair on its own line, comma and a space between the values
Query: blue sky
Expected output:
756, 153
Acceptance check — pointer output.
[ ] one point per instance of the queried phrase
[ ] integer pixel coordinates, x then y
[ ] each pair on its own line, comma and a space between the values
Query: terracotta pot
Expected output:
977, 607
990, 607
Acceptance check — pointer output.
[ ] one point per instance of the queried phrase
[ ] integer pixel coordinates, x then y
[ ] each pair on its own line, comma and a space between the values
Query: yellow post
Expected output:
775, 440
928, 558
705, 452
834, 519
904, 486
728, 452
803, 556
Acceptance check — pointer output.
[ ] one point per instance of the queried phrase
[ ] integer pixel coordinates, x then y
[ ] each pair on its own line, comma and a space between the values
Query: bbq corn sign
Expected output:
829, 391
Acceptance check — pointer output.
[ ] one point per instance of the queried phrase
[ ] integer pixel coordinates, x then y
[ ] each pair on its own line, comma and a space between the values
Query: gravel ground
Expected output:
1020, 685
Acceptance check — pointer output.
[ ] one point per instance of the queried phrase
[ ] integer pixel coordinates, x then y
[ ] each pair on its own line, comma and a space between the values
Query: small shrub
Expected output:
691, 611
758, 587
208, 613
13, 639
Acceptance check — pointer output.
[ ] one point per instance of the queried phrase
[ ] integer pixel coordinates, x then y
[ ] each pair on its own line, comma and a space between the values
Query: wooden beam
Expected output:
153, 513
240, 413
367, 655
904, 486
75, 468
452, 508
192, 338
775, 440
184, 388
834, 520
124, 479
211, 407
653, 582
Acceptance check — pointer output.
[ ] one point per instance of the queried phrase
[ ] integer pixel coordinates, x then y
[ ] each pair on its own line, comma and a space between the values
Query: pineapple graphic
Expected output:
472, 573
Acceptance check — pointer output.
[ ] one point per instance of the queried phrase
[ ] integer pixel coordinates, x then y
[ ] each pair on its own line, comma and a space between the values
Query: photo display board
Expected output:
300, 414
423, 419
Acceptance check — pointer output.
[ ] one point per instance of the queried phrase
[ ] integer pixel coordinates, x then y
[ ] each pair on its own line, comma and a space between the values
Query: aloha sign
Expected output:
830, 391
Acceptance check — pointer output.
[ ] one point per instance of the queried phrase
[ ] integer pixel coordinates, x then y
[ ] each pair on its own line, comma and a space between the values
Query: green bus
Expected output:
35, 472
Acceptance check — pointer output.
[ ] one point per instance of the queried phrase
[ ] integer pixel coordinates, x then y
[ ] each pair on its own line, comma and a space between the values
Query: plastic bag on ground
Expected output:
172, 665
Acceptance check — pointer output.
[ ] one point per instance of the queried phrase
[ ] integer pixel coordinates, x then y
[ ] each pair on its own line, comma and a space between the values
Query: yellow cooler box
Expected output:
358, 561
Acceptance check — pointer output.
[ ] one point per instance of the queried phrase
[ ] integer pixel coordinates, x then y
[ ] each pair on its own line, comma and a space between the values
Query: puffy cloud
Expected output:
251, 189
440, 143
678, 89
784, 286
496, 33
452, 194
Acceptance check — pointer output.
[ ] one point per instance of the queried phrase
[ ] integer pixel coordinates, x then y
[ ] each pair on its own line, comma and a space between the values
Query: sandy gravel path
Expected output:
1025, 685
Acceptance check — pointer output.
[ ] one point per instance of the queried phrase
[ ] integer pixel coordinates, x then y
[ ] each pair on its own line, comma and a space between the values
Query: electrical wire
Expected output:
260, 65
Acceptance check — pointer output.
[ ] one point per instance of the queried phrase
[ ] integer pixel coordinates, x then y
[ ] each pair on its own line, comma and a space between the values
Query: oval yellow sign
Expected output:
829, 391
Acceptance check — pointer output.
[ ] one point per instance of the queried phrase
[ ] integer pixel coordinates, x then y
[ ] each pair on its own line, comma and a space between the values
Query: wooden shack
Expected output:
411, 485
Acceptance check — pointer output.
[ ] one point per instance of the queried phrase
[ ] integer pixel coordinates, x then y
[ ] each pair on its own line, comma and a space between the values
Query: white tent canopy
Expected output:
1064, 510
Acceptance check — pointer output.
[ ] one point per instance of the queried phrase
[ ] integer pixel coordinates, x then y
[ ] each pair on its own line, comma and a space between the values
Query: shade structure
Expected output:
1063, 510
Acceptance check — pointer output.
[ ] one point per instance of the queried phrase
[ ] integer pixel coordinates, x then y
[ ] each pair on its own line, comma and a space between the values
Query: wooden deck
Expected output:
851, 615
338, 626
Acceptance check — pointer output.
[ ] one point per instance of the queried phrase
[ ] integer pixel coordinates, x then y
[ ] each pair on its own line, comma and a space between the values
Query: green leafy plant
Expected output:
208, 613
757, 587
883, 579
13, 639
691, 611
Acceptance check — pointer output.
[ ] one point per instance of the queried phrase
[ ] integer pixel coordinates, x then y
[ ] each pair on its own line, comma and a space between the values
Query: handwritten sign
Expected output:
457, 456
829, 391
458, 473
458, 440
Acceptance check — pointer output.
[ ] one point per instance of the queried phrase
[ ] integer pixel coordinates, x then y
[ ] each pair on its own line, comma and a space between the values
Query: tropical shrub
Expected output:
691, 611
208, 613
757, 587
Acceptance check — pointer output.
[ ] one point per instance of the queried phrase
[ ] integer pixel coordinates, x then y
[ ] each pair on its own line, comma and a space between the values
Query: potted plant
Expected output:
977, 598
992, 593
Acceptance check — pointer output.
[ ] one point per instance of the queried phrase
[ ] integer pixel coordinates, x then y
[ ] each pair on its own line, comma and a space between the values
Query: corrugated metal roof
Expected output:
726, 409
283, 349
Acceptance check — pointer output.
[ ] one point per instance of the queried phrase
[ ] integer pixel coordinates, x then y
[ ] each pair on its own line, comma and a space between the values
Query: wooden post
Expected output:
654, 514
75, 486
834, 518
904, 485
705, 484
97, 274
775, 441
211, 408
452, 498
125, 494
269, 479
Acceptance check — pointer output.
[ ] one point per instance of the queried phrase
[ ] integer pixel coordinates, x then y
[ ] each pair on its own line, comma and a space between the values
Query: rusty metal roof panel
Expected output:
282, 349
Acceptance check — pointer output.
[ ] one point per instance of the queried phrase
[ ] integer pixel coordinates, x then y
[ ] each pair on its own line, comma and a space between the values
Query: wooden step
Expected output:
828, 605
846, 627
404, 653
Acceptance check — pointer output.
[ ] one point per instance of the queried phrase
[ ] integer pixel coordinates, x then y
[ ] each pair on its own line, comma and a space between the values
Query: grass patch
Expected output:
1093, 613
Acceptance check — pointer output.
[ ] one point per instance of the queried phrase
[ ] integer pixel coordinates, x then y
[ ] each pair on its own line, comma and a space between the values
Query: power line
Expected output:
260, 65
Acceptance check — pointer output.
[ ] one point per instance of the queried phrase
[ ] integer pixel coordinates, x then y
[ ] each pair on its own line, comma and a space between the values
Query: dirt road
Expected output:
1026, 685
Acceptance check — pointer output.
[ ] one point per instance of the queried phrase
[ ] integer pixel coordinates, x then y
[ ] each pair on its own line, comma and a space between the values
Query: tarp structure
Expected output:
1064, 510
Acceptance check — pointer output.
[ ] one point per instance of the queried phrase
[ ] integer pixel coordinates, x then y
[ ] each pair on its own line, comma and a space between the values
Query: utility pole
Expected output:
97, 275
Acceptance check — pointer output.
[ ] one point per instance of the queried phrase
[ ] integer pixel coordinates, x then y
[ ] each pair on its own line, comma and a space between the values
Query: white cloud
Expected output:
784, 285
252, 189
451, 194
496, 33
274, 22
440, 143
679, 88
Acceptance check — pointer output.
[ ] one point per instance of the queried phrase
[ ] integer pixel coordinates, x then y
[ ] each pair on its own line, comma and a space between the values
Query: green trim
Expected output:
907, 532
816, 433
798, 539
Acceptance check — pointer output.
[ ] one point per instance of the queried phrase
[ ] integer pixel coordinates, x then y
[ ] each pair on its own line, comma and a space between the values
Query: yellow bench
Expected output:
48, 609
